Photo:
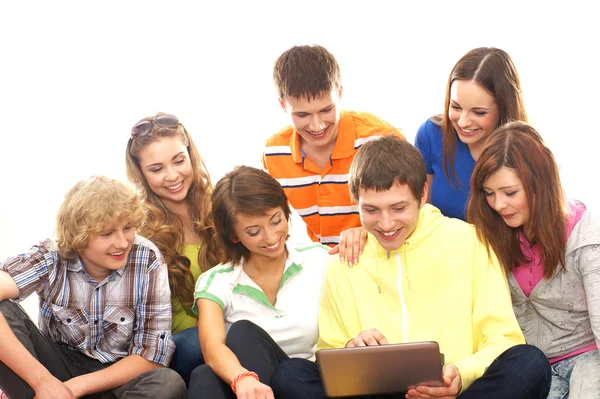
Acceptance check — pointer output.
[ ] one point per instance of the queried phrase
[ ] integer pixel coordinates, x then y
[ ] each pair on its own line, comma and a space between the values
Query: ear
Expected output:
283, 105
340, 92
234, 240
424, 196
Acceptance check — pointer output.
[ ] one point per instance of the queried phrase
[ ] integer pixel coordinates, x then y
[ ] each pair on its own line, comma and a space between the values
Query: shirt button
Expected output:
68, 320
162, 336
122, 319
96, 321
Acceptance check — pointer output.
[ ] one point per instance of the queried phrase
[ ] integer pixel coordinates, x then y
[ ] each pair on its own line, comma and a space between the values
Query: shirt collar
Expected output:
344, 143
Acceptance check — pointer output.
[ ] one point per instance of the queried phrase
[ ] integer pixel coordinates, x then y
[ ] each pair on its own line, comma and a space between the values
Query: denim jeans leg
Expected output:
521, 372
297, 379
585, 377
188, 354
204, 383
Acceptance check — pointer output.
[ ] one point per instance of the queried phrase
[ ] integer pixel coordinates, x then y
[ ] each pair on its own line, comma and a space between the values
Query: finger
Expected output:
356, 247
342, 246
334, 250
381, 339
362, 240
370, 339
436, 392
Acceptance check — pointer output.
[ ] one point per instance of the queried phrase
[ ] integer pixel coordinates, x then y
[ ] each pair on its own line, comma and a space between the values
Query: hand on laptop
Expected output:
352, 244
450, 390
370, 337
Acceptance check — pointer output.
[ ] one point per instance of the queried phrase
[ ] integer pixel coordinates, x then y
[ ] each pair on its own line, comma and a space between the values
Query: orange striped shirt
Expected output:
321, 196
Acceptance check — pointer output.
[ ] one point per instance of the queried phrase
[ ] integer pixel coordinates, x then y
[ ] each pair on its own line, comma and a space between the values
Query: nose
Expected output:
464, 120
121, 240
271, 236
499, 203
315, 123
385, 222
171, 174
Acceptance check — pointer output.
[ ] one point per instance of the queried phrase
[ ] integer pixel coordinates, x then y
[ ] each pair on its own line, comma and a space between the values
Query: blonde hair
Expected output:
163, 227
92, 206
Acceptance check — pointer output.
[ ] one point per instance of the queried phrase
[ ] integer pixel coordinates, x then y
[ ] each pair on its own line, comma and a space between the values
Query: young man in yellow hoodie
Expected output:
421, 277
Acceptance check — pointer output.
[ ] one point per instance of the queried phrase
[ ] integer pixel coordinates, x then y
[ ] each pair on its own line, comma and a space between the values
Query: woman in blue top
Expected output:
483, 92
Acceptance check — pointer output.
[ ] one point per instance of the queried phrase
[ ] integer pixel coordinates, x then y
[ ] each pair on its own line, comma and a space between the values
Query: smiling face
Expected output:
265, 235
505, 194
315, 121
165, 164
391, 215
473, 113
108, 250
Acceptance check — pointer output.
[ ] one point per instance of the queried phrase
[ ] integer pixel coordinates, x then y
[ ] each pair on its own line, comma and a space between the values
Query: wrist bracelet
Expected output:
243, 374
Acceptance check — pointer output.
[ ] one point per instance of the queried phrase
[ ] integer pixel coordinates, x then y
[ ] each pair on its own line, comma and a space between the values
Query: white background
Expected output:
76, 75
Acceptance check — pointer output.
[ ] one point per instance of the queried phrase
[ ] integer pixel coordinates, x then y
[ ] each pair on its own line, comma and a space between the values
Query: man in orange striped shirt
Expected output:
311, 157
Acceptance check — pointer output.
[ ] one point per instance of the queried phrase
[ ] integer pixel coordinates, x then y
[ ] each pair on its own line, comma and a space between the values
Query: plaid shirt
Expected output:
127, 313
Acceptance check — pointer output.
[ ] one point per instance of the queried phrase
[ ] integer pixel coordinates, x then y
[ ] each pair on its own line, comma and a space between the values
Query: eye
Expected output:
155, 170
369, 210
301, 115
253, 233
106, 233
511, 193
180, 161
128, 227
399, 209
455, 107
488, 193
276, 222
327, 110
480, 113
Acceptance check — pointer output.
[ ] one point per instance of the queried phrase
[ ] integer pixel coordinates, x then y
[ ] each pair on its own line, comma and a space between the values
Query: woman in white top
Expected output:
260, 307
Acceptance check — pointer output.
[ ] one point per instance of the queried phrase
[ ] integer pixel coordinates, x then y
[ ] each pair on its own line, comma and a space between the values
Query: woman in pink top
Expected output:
550, 249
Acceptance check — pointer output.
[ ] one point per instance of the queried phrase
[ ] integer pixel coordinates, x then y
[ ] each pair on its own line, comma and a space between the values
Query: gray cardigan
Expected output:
562, 314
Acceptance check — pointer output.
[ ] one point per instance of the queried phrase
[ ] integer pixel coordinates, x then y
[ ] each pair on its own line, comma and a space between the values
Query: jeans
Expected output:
188, 354
65, 363
521, 372
576, 377
255, 350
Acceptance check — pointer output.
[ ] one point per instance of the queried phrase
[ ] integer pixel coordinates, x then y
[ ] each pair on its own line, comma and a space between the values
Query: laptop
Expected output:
383, 369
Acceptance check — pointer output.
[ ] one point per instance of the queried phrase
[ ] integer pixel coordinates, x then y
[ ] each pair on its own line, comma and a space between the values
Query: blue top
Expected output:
451, 201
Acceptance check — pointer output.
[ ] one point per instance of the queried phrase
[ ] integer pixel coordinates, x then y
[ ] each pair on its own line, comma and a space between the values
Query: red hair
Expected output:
519, 146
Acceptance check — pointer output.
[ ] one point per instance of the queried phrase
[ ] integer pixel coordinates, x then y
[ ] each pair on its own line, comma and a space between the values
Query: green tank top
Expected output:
183, 316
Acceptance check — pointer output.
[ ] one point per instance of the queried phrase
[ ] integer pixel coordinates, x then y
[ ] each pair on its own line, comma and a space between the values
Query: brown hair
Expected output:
518, 146
244, 190
163, 227
383, 161
92, 206
306, 71
494, 71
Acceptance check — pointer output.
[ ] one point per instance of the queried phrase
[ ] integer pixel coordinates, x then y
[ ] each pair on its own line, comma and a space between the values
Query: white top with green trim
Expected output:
292, 322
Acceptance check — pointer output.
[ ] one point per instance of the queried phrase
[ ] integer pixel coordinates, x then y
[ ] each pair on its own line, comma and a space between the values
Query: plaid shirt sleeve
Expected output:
152, 339
30, 270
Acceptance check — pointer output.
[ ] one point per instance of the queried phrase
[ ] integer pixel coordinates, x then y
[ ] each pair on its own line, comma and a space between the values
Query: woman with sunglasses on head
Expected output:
162, 159
483, 92
261, 306
550, 249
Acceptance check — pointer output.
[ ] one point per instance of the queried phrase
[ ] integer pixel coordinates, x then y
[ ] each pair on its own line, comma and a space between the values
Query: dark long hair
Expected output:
494, 71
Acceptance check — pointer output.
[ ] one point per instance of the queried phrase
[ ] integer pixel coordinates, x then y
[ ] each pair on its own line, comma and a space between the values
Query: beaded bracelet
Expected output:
243, 374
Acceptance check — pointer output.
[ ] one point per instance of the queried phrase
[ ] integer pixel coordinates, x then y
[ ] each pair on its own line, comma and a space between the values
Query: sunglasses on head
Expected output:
143, 127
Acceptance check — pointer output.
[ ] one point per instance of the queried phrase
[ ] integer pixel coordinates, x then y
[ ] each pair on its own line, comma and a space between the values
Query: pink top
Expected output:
529, 274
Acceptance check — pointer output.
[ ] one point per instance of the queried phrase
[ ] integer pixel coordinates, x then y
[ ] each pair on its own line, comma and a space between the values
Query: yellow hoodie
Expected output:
439, 286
